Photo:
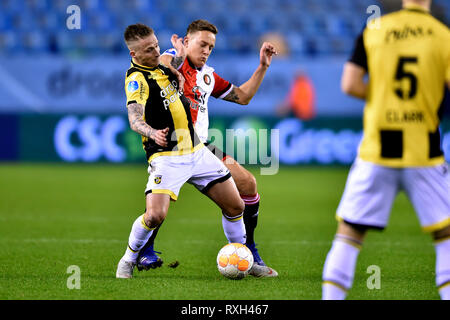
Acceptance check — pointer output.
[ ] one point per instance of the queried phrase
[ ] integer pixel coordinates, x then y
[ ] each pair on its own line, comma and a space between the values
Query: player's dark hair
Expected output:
137, 31
201, 25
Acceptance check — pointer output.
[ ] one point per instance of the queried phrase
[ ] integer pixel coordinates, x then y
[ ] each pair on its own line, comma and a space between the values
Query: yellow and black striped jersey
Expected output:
164, 107
408, 61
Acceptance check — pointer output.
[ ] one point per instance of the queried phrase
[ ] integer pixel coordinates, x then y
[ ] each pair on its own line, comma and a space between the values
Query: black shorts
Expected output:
216, 151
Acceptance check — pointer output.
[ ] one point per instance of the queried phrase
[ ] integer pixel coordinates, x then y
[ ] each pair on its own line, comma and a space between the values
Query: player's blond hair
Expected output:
136, 32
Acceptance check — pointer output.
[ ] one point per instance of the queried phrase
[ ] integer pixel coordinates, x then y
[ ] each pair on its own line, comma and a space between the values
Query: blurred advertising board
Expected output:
250, 140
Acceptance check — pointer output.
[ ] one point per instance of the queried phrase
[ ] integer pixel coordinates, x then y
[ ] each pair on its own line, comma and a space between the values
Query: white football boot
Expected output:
125, 269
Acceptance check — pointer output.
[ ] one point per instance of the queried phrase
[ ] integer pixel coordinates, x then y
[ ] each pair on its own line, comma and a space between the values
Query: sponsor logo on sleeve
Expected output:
132, 86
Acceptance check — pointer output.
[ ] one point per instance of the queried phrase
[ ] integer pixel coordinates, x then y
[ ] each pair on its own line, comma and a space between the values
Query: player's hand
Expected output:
178, 44
266, 53
160, 136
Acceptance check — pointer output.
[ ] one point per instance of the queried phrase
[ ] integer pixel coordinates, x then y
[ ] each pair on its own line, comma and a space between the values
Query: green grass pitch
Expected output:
55, 216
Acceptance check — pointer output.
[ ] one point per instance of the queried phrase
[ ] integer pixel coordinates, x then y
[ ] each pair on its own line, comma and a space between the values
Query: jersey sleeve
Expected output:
171, 52
136, 89
359, 56
222, 87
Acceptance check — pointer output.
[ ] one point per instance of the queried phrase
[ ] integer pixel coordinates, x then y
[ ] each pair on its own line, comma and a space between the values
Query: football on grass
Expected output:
234, 261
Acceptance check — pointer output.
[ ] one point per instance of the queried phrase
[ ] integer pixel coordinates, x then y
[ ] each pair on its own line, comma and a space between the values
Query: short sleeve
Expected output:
359, 56
136, 88
221, 87
171, 52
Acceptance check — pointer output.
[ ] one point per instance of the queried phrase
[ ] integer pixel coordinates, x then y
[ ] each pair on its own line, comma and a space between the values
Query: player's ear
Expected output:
186, 41
132, 53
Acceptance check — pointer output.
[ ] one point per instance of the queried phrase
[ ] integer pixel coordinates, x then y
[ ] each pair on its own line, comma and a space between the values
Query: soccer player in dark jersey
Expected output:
189, 58
161, 115
407, 57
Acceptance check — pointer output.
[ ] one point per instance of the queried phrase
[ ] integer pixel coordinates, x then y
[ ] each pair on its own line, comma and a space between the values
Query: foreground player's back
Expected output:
408, 59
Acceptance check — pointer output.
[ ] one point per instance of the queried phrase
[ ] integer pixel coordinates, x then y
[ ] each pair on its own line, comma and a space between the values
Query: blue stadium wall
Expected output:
69, 110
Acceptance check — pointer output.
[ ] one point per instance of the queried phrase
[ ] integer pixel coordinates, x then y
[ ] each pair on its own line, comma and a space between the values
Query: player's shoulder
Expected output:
164, 69
405, 21
441, 28
134, 73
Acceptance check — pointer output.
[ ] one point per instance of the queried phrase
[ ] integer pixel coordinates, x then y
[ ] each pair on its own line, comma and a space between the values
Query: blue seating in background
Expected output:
311, 27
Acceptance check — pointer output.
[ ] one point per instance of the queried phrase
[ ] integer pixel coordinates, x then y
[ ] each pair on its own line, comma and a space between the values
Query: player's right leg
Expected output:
442, 246
157, 206
166, 175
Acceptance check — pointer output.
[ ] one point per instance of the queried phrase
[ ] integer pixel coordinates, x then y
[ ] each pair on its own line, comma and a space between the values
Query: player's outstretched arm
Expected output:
244, 93
352, 81
137, 124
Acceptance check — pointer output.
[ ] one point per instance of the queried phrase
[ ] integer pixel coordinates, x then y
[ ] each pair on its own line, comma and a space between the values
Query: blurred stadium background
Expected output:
62, 101
69, 83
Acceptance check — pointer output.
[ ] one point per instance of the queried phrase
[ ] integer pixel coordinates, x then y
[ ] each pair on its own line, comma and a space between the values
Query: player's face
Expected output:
147, 52
199, 46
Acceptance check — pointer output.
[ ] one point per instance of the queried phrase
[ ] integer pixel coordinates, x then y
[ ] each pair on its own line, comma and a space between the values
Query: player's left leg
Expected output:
433, 211
366, 203
247, 187
148, 257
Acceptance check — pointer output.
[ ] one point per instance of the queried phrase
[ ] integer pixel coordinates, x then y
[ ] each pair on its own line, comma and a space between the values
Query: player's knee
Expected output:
154, 217
236, 208
248, 186
351, 230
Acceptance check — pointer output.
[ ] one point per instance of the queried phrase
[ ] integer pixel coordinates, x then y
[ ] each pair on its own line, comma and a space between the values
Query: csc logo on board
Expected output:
89, 139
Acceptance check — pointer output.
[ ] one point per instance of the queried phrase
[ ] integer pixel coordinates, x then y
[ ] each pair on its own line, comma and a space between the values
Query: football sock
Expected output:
442, 248
234, 228
251, 215
139, 235
150, 241
339, 268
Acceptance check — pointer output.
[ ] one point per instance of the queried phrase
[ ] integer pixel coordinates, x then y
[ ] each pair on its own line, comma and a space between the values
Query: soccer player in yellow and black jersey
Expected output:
406, 55
164, 108
161, 115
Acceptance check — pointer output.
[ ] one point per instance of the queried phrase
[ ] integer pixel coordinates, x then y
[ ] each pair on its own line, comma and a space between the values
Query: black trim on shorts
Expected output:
148, 191
214, 182
363, 227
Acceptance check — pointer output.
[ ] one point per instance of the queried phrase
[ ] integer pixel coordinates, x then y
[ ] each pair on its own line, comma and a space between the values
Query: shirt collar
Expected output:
415, 7
134, 64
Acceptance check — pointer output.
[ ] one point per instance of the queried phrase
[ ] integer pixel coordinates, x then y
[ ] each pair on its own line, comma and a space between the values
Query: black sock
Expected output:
250, 221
